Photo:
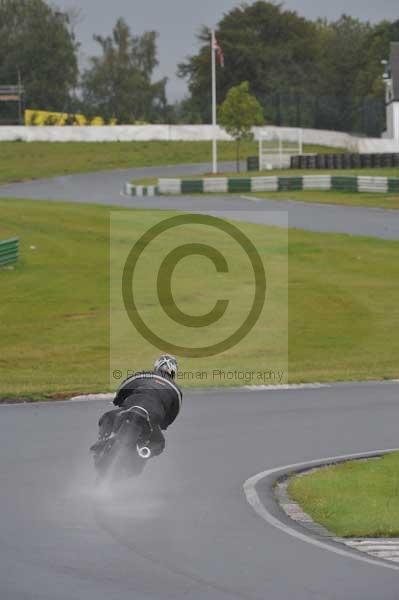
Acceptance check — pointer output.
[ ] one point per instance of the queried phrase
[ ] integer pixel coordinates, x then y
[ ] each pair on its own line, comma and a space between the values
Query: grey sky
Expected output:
177, 22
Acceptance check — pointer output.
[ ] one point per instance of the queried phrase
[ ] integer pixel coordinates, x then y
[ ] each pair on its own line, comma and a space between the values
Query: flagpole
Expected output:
214, 132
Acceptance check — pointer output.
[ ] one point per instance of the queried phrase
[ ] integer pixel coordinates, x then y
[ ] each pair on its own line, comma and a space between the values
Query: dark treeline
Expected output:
304, 73
38, 45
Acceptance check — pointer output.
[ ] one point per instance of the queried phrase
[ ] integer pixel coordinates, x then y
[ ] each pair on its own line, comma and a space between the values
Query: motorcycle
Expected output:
123, 447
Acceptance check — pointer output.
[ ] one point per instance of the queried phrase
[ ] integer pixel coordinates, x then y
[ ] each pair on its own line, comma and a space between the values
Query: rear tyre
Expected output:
118, 458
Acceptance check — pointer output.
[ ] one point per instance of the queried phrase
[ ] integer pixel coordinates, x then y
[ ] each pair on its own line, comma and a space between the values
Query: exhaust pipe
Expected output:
143, 451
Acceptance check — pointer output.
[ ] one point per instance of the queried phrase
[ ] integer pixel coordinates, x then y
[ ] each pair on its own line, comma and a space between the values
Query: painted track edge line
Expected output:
251, 198
279, 523
254, 388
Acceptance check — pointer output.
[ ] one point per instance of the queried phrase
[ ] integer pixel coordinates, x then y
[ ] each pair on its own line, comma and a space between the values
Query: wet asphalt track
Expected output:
186, 531
105, 188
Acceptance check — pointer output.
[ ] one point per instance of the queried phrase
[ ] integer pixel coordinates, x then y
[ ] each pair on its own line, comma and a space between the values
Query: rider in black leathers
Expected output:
151, 399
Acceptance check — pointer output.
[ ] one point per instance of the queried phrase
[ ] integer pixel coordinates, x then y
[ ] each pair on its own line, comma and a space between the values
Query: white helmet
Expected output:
167, 364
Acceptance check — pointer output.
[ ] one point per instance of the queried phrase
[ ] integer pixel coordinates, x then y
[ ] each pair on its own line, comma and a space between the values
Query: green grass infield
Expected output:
353, 499
343, 303
22, 161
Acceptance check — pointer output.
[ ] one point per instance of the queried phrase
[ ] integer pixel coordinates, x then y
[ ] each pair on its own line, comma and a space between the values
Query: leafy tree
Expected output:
351, 90
305, 74
239, 113
342, 57
186, 112
368, 86
37, 41
119, 82
274, 49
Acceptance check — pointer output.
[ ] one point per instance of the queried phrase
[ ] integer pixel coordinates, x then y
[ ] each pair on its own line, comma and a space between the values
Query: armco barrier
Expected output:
9, 252
242, 185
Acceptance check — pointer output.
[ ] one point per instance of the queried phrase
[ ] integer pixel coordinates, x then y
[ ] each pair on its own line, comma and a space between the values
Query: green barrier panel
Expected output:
8, 259
8, 249
4, 255
347, 184
290, 183
9, 252
393, 184
193, 186
239, 184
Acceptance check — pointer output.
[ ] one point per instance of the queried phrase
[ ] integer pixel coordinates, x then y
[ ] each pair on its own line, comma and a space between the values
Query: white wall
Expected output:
392, 113
320, 137
395, 110
370, 145
127, 133
117, 133
389, 112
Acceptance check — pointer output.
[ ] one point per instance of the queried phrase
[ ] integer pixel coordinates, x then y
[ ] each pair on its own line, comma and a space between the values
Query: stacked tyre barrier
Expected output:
9, 250
345, 161
141, 190
242, 185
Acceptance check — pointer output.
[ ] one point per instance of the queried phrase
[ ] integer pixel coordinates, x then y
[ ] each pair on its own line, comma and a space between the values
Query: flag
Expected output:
219, 52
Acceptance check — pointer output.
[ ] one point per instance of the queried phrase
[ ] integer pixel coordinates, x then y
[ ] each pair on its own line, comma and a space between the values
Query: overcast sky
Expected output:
177, 22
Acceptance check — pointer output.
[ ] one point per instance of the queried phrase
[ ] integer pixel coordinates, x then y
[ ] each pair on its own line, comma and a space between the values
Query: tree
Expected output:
239, 112
274, 49
304, 73
343, 55
119, 82
369, 87
36, 40
351, 88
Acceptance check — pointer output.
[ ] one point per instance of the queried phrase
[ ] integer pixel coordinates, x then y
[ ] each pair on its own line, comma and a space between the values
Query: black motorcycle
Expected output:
123, 447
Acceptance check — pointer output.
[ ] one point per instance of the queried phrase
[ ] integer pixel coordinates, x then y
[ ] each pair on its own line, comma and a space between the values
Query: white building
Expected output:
391, 78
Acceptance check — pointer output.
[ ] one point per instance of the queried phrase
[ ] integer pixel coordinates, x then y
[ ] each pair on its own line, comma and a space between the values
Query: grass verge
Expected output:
54, 313
372, 200
353, 499
21, 161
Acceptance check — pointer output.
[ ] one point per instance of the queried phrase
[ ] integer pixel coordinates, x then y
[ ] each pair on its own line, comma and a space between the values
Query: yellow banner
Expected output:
44, 117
